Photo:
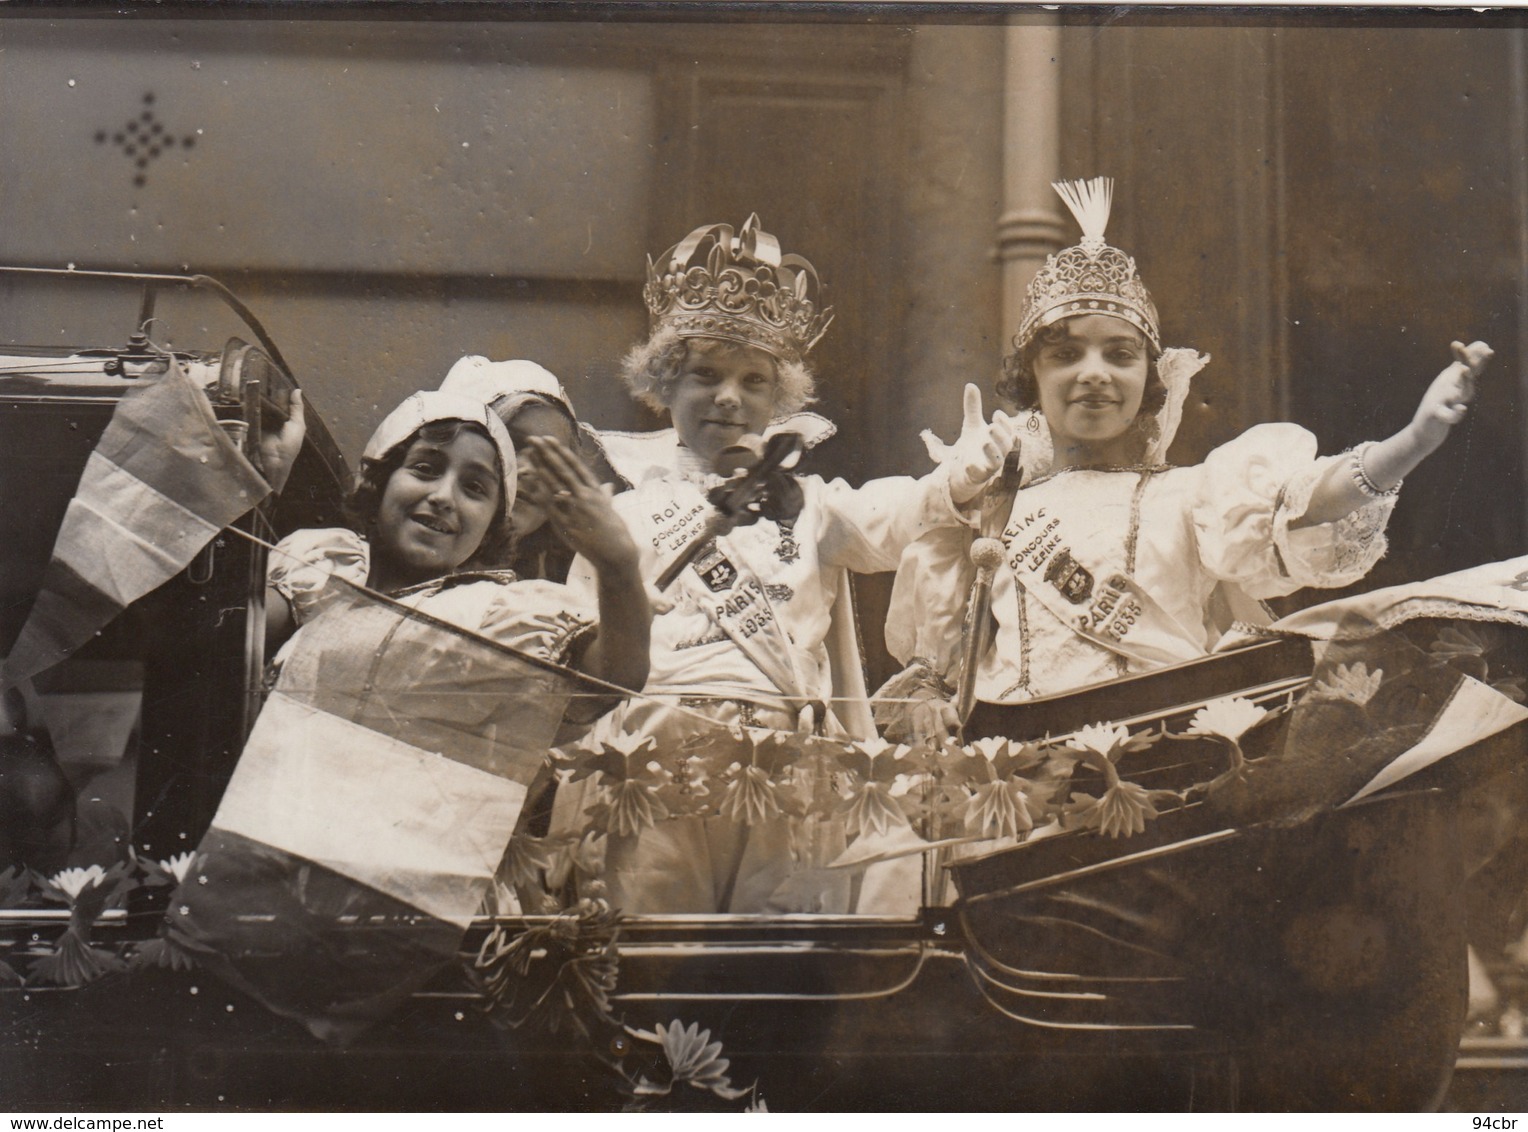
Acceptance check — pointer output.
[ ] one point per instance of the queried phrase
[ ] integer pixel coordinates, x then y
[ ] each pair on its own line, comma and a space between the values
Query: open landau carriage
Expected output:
1236, 882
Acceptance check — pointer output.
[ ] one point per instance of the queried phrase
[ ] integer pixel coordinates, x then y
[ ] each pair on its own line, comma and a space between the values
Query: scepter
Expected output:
986, 555
734, 498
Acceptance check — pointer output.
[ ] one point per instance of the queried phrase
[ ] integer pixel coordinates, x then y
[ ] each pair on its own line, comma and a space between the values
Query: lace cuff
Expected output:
1328, 554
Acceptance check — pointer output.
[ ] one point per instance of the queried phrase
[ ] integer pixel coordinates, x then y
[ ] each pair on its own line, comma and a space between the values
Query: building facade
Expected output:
1320, 203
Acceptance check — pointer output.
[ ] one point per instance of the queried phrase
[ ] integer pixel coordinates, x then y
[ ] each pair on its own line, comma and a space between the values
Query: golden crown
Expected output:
1090, 277
714, 284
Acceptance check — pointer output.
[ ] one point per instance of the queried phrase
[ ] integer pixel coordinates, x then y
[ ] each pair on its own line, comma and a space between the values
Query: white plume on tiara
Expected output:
1090, 202
1090, 277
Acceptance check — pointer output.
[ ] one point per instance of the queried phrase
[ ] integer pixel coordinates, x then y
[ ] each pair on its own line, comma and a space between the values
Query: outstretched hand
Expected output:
1448, 397
279, 449
979, 452
577, 505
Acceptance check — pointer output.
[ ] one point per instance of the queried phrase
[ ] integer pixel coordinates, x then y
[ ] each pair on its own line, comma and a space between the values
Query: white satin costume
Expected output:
1203, 544
748, 642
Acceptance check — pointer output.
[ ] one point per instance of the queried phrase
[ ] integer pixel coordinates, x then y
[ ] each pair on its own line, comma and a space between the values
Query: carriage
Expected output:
1285, 928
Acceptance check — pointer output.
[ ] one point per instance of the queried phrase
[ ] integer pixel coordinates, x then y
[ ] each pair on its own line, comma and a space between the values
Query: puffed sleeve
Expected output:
300, 566
928, 599
544, 619
924, 621
866, 529
1250, 490
549, 620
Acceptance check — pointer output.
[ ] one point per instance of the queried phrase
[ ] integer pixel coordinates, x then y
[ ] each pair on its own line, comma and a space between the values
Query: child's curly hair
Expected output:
1018, 385
651, 369
364, 500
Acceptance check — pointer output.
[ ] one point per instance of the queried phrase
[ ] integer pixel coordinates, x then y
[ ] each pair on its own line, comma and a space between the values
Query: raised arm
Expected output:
868, 528
279, 449
578, 507
1377, 468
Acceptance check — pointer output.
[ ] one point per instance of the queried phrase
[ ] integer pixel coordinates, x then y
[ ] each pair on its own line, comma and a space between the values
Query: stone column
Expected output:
1030, 227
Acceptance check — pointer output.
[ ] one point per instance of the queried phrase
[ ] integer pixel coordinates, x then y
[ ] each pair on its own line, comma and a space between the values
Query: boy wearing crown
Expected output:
758, 634
1110, 560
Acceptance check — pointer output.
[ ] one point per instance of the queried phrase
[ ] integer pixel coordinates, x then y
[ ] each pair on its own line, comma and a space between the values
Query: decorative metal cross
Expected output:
143, 139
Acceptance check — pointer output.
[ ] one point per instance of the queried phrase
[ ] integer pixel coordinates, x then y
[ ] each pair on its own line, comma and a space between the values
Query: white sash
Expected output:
726, 586
1109, 609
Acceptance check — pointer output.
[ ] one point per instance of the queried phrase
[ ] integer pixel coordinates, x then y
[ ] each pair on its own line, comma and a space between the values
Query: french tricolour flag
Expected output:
370, 808
163, 480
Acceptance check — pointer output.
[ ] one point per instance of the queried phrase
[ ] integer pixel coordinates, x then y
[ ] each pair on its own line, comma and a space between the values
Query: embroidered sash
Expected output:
725, 585
1109, 609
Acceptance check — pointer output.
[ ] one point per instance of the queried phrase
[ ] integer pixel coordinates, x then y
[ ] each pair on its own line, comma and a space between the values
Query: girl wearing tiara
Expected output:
1112, 561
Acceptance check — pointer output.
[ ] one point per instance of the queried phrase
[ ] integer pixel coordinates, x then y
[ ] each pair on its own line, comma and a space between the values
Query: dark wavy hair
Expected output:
365, 498
1018, 384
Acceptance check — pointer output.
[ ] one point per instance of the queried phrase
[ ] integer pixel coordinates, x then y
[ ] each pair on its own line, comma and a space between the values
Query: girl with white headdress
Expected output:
434, 504
531, 402
409, 717
1108, 560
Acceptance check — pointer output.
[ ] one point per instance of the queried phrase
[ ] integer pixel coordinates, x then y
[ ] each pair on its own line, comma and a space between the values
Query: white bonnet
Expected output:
517, 382
429, 406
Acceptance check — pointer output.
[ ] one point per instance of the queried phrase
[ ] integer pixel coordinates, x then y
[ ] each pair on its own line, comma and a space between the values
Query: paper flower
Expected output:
1453, 642
751, 798
1229, 718
72, 882
998, 809
74, 962
178, 865
620, 757
1101, 746
873, 810
693, 1058
990, 747
1123, 811
632, 807
1125, 807
1101, 739
1351, 682
998, 759
530, 860
876, 759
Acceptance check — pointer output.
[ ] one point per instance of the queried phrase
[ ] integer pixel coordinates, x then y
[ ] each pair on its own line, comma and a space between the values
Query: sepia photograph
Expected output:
839, 557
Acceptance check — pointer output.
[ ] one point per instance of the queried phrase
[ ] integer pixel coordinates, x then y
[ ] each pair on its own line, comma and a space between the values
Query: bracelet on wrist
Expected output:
1364, 481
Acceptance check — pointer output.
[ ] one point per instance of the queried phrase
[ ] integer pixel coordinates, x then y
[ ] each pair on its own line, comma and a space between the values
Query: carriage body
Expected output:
1211, 962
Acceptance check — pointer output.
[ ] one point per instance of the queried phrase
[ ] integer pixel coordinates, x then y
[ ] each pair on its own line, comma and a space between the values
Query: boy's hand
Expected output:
978, 454
1447, 398
578, 506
